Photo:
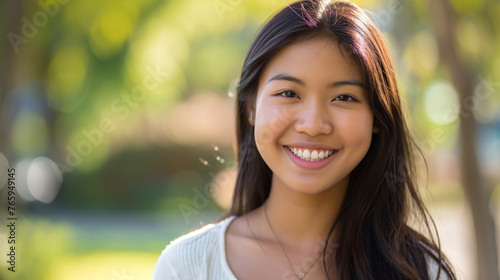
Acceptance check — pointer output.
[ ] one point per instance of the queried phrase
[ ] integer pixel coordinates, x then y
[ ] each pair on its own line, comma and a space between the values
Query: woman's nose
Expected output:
314, 119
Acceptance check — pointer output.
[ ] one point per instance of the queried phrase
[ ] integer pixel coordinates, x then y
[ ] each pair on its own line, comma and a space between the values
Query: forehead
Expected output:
317, 59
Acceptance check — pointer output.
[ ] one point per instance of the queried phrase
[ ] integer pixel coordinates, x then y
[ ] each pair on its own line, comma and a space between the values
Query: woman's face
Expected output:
313, 123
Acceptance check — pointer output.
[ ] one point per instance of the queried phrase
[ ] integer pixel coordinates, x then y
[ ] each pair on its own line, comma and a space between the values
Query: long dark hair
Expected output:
381, 199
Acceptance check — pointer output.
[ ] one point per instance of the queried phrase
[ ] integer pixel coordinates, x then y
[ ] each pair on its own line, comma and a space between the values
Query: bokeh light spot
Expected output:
109, 31
22, 189
44, 179
421, 55
471, 36
66, 73
441, 103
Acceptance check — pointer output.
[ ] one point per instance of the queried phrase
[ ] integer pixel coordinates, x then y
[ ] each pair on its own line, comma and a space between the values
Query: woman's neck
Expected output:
300, 218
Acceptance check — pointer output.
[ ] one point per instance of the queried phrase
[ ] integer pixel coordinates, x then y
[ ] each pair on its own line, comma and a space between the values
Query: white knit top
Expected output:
201, 254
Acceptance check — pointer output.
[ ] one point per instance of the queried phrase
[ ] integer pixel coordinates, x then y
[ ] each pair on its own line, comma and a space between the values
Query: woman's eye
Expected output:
288, 93
344, 97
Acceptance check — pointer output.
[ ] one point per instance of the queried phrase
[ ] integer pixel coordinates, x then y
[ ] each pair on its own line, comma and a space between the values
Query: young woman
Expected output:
326, 174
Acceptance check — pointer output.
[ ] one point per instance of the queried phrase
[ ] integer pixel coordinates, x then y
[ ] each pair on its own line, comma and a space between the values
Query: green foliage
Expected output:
39, 244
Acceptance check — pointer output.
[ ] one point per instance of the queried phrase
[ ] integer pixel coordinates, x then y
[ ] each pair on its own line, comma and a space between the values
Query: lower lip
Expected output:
310, 165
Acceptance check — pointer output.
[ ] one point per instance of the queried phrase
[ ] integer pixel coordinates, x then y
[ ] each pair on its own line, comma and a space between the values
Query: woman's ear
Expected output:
251, 112
251, 119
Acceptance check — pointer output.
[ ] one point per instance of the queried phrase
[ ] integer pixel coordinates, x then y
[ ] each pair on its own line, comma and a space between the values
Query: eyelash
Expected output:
336, 98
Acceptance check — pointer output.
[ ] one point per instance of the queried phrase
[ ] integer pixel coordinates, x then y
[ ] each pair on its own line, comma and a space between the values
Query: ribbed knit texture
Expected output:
201, 255
197, 255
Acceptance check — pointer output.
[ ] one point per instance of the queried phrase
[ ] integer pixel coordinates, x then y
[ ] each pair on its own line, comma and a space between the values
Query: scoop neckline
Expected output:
225, 264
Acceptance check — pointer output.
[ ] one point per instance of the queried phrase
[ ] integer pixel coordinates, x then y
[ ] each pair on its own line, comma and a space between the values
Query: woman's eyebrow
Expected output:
285, 77
347, 82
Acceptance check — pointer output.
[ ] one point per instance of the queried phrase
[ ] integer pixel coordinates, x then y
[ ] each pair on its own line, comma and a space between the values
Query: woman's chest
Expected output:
249, 260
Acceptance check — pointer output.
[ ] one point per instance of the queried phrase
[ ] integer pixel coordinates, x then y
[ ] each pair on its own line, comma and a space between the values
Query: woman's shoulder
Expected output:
201, 235
434, 265
198, 241
189, 252
433, 268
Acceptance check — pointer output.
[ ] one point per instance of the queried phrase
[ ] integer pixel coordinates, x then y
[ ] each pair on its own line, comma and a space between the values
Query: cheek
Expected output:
357, 129
270, 123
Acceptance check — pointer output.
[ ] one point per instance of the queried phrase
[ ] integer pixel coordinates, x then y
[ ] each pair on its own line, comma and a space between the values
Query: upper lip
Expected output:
310, 145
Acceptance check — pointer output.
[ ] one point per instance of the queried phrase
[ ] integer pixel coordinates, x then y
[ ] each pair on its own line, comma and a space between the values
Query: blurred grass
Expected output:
104, 265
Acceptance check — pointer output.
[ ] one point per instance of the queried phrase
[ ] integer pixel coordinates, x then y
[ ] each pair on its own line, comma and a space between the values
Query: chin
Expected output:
310, 187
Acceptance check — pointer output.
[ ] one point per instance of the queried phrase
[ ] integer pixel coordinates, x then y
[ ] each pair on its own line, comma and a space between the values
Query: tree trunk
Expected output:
474, 186
12, 12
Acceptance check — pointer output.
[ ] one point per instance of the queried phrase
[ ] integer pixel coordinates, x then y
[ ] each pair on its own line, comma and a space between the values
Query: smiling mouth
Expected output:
311, 154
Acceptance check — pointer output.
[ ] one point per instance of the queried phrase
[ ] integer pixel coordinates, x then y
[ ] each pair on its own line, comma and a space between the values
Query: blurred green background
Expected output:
118, 117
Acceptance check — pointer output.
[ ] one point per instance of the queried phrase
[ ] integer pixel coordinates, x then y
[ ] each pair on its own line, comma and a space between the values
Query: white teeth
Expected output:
314, 154
307, 155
